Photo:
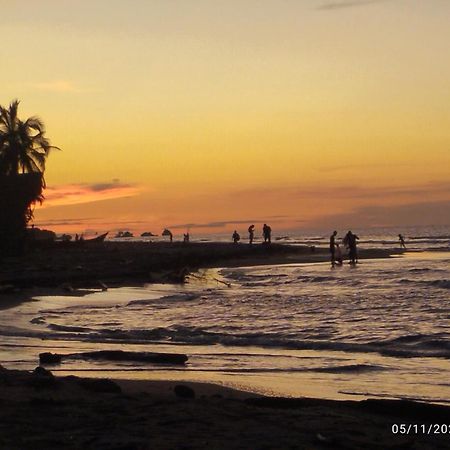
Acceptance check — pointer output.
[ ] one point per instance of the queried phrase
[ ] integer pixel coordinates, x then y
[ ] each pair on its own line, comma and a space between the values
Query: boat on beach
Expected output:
99, 238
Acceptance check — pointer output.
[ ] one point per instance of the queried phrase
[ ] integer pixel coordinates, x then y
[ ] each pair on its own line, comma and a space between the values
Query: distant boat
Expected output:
64, 238
148, 234
81, 241
123, 234
99, 238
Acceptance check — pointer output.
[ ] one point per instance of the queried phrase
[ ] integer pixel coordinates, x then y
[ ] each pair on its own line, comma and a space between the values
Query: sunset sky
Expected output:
209, 114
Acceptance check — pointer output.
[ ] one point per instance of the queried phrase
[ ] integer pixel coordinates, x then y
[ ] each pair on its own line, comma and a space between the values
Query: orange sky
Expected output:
301, 113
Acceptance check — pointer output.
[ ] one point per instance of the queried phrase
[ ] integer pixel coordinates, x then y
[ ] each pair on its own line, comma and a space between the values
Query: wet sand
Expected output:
93, 265
39, 411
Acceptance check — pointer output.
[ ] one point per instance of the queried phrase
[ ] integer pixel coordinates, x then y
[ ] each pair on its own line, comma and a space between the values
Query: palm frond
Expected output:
23, 145
24, 149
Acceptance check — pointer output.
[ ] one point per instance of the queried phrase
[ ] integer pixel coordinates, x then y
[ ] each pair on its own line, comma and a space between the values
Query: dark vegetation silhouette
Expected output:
24, 149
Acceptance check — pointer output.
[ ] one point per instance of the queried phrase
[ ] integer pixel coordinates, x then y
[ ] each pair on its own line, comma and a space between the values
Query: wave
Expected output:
424, 342
398, 397
168, 298
74, 329
350, 368
228, 370
422, 270
315, 279
438, 237
443, 284
411, 346
439, 283
405, 346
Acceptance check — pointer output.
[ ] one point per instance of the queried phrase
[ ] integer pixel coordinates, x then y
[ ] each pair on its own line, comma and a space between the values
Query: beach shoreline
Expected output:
43, 411
72, 268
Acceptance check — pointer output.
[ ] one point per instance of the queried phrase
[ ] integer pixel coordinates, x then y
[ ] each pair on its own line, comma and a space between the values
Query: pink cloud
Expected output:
73, 194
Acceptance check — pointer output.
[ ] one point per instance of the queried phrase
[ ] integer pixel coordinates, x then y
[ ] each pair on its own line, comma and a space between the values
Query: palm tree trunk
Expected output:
17, 192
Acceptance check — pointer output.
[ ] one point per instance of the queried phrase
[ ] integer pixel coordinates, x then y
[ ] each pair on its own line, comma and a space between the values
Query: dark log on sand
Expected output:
116, 355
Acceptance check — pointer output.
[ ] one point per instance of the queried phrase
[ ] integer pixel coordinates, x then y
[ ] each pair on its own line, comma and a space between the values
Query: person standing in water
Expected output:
350, 240
251, 234
267, 234
236, 237
402, 241
333, 247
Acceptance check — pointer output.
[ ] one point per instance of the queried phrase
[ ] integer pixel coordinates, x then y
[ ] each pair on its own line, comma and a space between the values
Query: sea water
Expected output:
380, 329
417, 238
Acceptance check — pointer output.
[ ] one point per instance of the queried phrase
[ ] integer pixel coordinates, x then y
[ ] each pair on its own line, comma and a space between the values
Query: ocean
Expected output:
417, 238
380, 329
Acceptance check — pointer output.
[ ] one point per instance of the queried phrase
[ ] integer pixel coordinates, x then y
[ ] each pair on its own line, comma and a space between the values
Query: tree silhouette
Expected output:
23, 153
23, 145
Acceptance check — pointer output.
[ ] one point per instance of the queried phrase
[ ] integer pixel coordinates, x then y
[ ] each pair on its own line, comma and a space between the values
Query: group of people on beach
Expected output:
266, 232
349, 241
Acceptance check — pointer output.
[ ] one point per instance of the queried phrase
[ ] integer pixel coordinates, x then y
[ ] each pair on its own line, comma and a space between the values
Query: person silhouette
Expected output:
350, 241
251, 234
236, 237
333, 247
402, 241
267, 233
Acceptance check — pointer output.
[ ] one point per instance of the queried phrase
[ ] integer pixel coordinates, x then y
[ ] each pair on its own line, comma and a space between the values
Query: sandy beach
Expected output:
40, 411
43, 411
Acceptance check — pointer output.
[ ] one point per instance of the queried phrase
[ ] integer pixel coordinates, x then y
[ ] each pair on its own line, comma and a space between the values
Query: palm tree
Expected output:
23, 145
23, 152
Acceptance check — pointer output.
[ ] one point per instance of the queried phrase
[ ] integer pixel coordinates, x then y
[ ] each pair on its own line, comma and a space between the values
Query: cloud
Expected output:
347, 4
411, 214
62, 222
57, 86
73, 194
347, 192
219, 224
107, 186
100, 223
224, 223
